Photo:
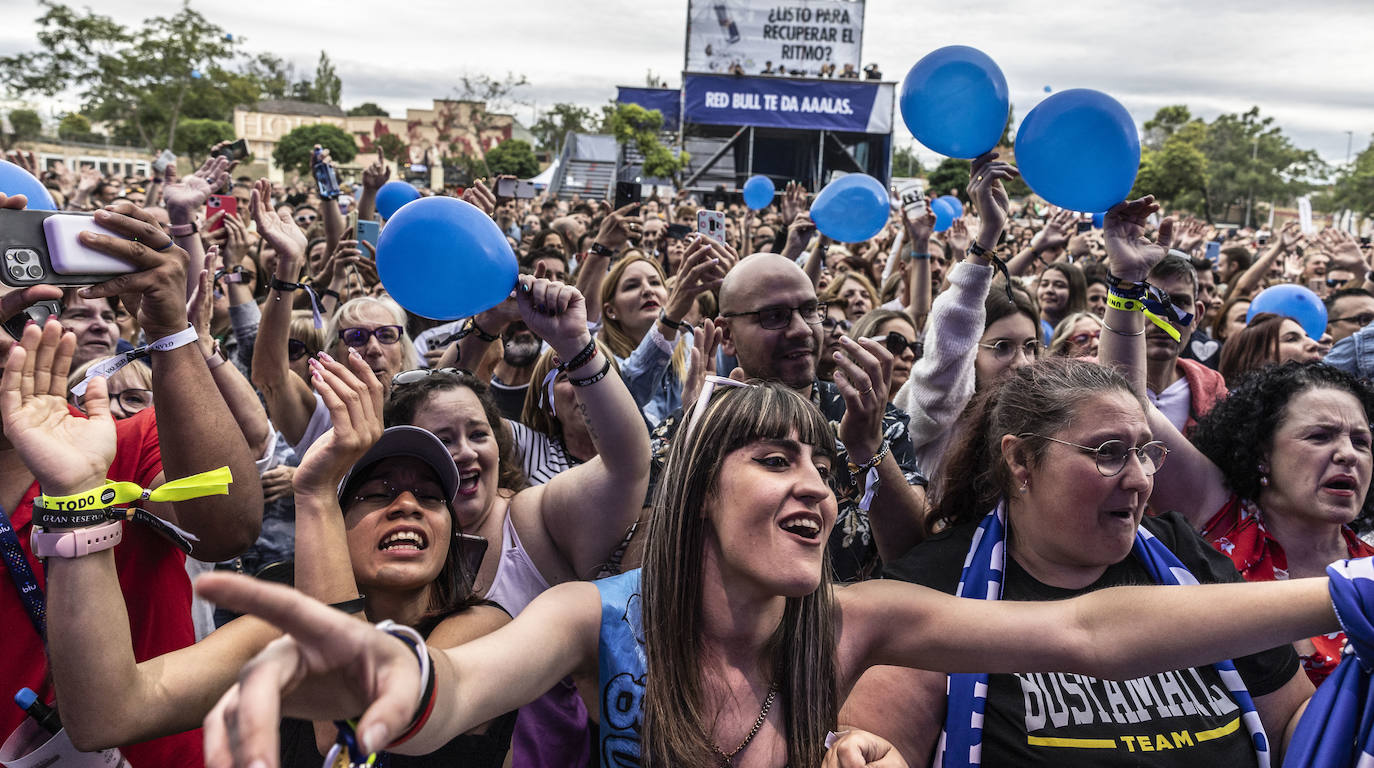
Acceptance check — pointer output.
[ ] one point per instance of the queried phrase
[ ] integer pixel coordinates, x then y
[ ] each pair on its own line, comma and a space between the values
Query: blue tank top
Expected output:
621, 665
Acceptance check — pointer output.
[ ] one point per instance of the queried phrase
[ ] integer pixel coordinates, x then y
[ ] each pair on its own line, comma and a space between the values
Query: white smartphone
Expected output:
712, 224
41, 248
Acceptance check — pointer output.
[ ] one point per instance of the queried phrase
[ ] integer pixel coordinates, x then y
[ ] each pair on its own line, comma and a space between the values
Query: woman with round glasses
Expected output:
1278, 471
893, 330
1044, 498
130, 389
1077, 336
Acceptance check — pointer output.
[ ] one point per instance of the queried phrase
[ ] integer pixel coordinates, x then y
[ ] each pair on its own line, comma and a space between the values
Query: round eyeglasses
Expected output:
1004, 349
1111, 456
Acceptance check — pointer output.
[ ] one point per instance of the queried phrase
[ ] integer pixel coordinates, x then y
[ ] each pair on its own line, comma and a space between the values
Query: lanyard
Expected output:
29, 592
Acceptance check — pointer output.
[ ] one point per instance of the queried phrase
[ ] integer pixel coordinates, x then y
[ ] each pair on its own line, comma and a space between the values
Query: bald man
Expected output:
771, 323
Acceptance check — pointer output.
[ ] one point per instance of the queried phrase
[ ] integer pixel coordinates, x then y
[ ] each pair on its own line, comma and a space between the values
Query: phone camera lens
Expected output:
23, 256
35, 271
17, 272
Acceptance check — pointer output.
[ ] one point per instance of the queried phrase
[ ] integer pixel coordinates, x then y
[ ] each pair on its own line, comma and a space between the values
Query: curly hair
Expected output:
1239, 431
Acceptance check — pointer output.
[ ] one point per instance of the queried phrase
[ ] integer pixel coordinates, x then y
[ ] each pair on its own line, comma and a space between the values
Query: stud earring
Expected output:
1024, 485
1264, 480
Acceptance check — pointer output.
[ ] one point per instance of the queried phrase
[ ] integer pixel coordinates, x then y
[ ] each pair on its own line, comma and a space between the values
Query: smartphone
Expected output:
39, 312
473, 549
163, 160
1213, 251
368, 232
350, 222
514, 188
326, 178
41, 248
238, 150
1085, 226
627, 192
216, 203
914, 204
678, 231
712, 224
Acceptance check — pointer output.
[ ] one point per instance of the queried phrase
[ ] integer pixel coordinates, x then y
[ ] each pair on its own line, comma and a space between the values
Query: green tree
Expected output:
513, 156
557, 121
633, 123
905, 162
491, 98
327, 86
368, 109
1354, 187
1176, 171
950, 177
197, 136
1249, 159
1166, 121
25, 124
274, 75
74, 127
293, 150
136, 80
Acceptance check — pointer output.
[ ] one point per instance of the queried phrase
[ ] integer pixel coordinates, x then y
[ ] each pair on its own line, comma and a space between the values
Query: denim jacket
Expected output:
648, 374
1354, 354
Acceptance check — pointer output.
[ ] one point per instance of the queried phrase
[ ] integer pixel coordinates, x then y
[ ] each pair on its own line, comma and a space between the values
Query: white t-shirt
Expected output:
1174, 402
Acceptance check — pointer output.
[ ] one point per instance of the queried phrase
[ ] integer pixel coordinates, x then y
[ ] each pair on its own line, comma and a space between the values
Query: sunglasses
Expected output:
296, 349
417, 375
358, 337
896, 343
305, 219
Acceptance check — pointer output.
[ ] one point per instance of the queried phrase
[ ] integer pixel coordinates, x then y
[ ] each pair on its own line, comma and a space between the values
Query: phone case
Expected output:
228, 203
70, 258
369, 231
711, 224
24, 248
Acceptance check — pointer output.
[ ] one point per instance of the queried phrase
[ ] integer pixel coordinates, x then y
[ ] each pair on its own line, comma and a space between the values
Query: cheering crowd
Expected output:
759, 500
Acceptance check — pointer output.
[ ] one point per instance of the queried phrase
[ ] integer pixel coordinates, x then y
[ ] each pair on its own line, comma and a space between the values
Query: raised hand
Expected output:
703, 269
1344, 250
480, 196
354, 398
617, 227
863, 372
190, 194
330, 666
26, 160
990, 197
703, 360
67, 454
958, 237
1130, 256
90, 178
159, 283
280, 232
376, 174
1058, 229
1290, 237
793, 201
554, 311
200, 305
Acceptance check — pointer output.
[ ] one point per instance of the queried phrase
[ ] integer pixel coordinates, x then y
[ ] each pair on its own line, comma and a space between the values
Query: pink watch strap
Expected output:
78, 542
182, 230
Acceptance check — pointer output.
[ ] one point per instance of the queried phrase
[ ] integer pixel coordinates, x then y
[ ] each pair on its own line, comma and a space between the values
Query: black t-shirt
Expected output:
511, 400
1181, 718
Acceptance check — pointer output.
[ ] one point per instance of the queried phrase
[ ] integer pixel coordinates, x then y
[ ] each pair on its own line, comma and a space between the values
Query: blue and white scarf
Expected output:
1337, 730
961, 741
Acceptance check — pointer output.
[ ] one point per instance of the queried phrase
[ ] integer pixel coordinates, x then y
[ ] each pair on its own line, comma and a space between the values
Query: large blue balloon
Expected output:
851, 209
1099, 219
944, 213
954, 205
955, 101
1079, 150
393, 195
17, 181
758, 192
1295, 301
442, 258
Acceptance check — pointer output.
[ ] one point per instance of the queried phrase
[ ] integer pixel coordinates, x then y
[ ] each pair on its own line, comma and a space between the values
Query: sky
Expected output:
1306, 65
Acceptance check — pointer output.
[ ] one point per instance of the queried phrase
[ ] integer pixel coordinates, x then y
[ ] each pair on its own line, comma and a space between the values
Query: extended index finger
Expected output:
308, 620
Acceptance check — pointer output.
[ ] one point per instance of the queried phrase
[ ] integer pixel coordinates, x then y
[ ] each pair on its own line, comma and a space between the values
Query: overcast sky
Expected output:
1307, 65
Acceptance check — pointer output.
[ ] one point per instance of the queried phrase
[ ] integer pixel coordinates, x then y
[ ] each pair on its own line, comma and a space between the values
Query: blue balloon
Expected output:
1295, 301
758, 192
1079, 150
954, 205
17, 181
944, 213
1048, 89
955, 101
1098, 219
851, 209
442, 258
393, 195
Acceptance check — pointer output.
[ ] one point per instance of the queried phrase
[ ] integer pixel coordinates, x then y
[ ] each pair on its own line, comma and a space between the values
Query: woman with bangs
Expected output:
729, 647
644, 321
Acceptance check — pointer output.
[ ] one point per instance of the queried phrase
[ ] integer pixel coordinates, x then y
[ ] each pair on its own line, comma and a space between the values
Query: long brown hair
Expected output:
801, 650
612, 331
1253, 348
1042, 398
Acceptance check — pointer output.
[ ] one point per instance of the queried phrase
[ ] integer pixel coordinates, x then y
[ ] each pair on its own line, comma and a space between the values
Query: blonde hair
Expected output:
613, 333
535, 413
352, 311
303, 328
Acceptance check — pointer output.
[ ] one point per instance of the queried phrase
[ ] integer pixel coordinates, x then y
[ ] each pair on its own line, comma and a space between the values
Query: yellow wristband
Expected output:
1123, 303
212, 483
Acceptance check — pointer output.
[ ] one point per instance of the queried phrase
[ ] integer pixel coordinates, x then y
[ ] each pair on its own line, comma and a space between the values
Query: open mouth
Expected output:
404, 540
467, 481
805, 526
650, 305
1121, 514
1343, 485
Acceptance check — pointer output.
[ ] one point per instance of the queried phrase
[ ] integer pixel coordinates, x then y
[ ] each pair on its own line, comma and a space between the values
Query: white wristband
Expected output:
110, 365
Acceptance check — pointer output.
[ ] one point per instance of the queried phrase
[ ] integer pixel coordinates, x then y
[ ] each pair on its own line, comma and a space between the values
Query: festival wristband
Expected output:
585, 356
110, 365
1116, 301
48, 520
212, 483
594, 378
920, 256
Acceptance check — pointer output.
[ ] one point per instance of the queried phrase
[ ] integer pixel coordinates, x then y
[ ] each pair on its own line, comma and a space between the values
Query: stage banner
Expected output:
832, 105
774, 36
669, 102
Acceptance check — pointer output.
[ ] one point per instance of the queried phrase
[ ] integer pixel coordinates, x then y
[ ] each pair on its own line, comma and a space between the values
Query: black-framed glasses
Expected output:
417, 375
780, 316
1111, 456
831, 323
130, 400
375, 494
357, 337
896, 343
1003, 349
296, 349
1362, 319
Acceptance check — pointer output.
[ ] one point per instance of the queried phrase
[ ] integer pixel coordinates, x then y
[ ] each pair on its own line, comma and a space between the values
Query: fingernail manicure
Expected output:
258, 764
353, 353
325, 357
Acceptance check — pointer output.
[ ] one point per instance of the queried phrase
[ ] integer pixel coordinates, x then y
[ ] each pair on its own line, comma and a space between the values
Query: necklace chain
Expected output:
726, 761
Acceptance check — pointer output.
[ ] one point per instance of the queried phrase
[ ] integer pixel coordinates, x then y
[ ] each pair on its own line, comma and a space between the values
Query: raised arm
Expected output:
1283, 242
1188, 482
289, 400
238, 394
591, 273
89, 641
196, 430
581, 514
918, 232
374, 176
1055, 235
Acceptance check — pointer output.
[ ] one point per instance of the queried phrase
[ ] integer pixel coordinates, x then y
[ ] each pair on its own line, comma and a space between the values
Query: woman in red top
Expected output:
1277, 472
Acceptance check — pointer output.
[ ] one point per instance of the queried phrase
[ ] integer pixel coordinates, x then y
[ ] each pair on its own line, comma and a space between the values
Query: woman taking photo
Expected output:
894, 330
729, 646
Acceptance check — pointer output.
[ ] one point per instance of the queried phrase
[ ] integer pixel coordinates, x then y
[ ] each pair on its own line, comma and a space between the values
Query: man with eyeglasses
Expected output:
1350, 321
1182, 389
771, 323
